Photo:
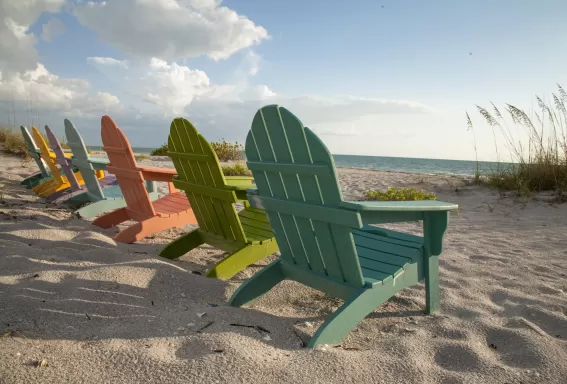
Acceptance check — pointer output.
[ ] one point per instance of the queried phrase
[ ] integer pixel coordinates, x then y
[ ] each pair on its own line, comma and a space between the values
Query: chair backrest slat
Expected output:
200, 175
302, 201
60, 159
81, 160
123, 164
33, 149
44, 153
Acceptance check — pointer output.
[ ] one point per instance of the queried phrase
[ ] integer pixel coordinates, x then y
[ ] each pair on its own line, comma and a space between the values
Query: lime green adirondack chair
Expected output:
246, 236
325, 242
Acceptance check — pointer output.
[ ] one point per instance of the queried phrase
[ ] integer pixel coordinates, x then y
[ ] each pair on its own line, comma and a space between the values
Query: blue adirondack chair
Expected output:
103, 194
43, 174
325, 242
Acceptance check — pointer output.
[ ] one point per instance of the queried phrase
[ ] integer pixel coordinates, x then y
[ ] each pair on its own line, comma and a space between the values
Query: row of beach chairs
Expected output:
292, 204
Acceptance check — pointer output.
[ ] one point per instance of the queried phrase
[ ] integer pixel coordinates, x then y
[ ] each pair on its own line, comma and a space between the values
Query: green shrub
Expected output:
237, 169
226, 151
141, 156
402, 194
161, 151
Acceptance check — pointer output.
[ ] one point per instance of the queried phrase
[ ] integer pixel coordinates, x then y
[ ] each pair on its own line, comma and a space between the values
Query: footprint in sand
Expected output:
453, 334
550, 323
458, 358
514, 349
488, 259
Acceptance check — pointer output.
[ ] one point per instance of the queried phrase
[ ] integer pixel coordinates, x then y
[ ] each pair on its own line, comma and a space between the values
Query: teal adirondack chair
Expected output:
325, 242
246, 236
43, 174
101, 199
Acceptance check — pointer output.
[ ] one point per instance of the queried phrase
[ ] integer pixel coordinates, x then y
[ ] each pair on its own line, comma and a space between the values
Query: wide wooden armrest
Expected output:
98, 160
239, 183
240, 180
399, 206
158, 174
98, 163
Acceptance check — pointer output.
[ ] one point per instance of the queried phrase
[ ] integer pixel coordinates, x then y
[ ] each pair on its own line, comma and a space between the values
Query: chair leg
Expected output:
101, 206
33, 180
236, 262
48, 190
344, 319
182, 245
253, 288
431, 284
147, 227
30, 184
111, 219
43, 186
77, 200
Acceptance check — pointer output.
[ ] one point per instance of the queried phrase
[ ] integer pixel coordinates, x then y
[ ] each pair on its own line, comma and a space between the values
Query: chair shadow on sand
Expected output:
55, 289
117, 291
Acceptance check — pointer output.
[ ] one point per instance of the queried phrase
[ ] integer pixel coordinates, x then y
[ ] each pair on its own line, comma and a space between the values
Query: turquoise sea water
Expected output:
397, 164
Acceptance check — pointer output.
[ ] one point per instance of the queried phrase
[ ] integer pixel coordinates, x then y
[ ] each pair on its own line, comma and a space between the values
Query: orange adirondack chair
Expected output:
172, 210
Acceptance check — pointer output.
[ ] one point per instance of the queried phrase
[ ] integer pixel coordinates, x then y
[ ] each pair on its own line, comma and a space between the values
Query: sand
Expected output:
96, 311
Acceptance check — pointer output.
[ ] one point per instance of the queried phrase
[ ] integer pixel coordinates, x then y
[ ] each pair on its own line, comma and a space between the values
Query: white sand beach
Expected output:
97, 311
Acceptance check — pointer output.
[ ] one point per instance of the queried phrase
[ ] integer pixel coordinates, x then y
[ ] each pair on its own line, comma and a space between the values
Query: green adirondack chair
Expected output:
246, 236
325, 242
43, 174
103, 194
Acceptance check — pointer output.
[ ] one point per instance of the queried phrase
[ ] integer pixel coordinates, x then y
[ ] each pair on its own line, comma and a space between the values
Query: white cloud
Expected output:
43, 91
169, 86
108, 61
328, 116
258, 92
52, 29
178, 90
170, 29
342, 131
17, 44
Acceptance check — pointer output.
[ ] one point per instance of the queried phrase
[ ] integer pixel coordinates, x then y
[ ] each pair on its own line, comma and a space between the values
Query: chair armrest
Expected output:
399, 206
98, 163
239, 182
236, 179
98, 160
158, 174
433, 213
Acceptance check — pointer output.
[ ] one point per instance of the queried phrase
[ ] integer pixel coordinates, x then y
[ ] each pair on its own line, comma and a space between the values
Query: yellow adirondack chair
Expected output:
58, 182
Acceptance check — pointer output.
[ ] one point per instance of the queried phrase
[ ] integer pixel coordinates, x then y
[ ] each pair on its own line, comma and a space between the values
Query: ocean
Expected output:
396, 164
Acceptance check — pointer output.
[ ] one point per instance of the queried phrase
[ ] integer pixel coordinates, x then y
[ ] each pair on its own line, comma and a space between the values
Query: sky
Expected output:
371, 77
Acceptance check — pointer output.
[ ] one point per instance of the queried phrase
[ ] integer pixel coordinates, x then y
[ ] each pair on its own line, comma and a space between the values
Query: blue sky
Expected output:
390, 78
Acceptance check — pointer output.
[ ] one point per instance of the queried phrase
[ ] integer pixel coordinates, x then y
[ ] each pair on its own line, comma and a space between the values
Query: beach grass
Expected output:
13, 142
141, 156
536, 143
